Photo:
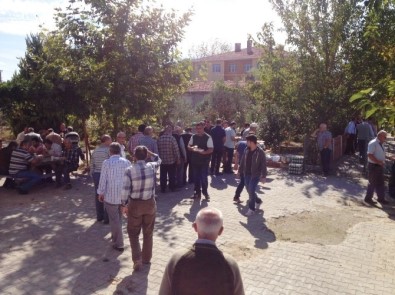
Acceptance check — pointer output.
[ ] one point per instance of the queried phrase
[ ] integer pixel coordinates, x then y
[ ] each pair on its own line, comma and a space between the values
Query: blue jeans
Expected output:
240, 187
101, 213
251, 183
200, 174
32, 179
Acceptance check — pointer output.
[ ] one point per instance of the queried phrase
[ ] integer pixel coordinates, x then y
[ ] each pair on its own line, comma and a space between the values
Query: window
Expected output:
232, 68
247, 67
216, 68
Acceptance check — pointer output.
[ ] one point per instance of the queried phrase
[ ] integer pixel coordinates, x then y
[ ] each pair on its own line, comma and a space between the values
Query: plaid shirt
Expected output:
72, 158
139, 180
111, 179
168, 149
134, 141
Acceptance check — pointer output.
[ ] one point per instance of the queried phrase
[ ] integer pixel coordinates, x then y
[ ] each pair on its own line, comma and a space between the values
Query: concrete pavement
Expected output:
314, 237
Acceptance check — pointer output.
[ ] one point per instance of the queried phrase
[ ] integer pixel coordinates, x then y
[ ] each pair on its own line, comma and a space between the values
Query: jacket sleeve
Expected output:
242, 163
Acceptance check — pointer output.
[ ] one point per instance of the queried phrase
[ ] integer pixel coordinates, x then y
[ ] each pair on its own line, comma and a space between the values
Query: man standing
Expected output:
201, 146
376, 163
252, 129
218, 135
170, 155
148, 141
138, 199
110, 189
324, 141
365, 135
186, 137
134, 140
121, 139
253, 167
183, 156
99, 155
203, 268
351, 133
230, 146
71, 163
241, 147
21, 136
20, 161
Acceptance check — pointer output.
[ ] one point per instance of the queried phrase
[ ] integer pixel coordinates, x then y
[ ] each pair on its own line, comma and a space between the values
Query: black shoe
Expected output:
206, 196
196, 196
370, 201
237, 200
106, 222
383, 202
120, 249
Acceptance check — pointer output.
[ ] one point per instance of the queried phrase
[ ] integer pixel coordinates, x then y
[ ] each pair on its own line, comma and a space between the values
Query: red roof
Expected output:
256, 54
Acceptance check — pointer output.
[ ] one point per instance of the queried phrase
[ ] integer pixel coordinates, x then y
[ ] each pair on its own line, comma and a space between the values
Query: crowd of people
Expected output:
35, 157
124, 176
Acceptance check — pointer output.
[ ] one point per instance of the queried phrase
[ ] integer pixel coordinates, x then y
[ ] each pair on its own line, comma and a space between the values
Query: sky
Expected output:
228, 21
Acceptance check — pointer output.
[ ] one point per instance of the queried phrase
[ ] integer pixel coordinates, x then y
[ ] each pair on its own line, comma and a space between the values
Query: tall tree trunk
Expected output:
86, 140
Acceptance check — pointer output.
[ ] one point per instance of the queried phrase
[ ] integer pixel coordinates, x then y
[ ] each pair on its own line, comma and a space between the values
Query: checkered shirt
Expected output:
134, 141
168, 149
139, 180
111, 179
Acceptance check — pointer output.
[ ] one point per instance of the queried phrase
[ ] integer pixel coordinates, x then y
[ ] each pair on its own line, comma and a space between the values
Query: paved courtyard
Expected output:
314, 237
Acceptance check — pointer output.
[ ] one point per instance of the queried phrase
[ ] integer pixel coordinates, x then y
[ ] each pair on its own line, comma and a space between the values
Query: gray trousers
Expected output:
115, 218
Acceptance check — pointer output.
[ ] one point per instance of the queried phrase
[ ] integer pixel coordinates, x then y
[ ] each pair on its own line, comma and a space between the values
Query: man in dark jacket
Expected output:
253, 168
204, 269
218, 135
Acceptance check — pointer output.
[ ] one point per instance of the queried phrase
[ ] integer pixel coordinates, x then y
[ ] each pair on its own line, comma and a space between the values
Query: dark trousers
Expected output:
363, 149
216, 158
376, 182
101, 213
200, 178
240, 187
168, 171
350, 144
229, 160
325, 160
32, 179
64, 170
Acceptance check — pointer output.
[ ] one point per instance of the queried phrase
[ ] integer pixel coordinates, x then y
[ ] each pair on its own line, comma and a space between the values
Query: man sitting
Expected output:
20, 163
5, 158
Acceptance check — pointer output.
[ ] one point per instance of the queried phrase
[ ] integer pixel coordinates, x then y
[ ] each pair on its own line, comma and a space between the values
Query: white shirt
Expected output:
376, 149
229, 143
111, 179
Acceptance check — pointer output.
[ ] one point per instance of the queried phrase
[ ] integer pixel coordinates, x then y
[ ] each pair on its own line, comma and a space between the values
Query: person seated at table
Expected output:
75, 140
31, 134
54, 137
70, 163
52, 149
5, 158
36, 147
20, 163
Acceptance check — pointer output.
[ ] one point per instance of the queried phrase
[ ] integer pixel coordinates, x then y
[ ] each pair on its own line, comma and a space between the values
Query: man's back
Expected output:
218, 134
203, 270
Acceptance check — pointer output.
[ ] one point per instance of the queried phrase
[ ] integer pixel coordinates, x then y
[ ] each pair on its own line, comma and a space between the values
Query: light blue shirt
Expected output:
111, 179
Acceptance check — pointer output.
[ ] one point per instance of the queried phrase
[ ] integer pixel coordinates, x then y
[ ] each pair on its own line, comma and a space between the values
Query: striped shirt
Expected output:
99, 155
139, 180
20, 160
168, 149
111, 179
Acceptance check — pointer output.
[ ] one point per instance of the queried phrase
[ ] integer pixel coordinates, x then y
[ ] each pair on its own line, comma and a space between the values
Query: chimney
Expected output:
237, 47
249, 47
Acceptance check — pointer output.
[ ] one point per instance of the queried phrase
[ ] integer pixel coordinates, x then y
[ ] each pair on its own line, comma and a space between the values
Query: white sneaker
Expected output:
257, 206
250, 212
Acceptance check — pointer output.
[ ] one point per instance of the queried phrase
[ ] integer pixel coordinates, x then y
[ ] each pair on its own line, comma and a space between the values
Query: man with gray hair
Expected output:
121, 139
110, 191
147, 140
376, 164
203, 268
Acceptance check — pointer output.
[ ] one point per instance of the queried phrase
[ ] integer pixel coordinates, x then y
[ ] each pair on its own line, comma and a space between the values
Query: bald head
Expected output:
209, 223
